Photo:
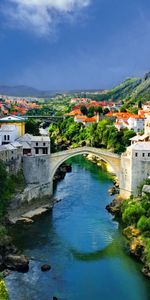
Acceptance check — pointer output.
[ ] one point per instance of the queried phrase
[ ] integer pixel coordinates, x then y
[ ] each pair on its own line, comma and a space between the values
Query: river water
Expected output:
81, 242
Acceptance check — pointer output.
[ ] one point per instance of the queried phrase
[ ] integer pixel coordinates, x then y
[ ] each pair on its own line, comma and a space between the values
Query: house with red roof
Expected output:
128, 120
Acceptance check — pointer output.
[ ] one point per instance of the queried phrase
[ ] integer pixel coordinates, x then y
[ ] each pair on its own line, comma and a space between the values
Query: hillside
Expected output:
142, 91
125, 89
132, 89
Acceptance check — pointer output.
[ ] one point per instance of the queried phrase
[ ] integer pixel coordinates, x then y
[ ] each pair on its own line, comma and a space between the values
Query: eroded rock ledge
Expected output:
11, 258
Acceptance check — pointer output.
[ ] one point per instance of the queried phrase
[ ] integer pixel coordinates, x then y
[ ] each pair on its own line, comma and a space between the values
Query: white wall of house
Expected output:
78, 120
118, 126
9, 133
135, 167
136, 124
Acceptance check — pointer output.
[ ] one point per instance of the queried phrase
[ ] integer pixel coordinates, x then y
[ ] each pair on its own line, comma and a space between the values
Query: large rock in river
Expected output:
45, 268
17, 262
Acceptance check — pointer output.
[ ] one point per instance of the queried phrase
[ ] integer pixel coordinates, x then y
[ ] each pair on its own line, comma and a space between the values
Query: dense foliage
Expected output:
8, 185
100, 135
6, 188
32, 127
136, 212
3, 291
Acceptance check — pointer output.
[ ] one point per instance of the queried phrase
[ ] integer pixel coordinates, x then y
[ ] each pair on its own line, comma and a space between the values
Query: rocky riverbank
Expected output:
11, 258
138, 242
61, 172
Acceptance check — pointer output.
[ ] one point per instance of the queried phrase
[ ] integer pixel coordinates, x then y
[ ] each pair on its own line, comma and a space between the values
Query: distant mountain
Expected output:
24, 91
133, 89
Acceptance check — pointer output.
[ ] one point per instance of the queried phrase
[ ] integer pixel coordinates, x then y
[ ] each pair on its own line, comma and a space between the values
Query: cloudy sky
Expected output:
70, 44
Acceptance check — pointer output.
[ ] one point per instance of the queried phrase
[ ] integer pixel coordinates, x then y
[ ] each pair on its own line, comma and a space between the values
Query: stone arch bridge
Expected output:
40, 170
112, 159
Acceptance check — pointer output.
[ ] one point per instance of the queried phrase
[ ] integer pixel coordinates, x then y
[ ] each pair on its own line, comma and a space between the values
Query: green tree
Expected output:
144, 224
6, 188
3, 290
84, 110
127, 135
91, 111
99, 110
132, 213
139, 104
123, 108
32, 127
106, 111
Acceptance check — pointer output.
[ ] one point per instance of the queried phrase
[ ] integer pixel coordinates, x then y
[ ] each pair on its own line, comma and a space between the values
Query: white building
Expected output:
135, 167
19, 122
8, 133
136, 123
133, 122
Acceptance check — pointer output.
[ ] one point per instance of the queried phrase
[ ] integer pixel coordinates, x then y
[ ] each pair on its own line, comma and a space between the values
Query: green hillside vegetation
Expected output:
132, 90
9, 184
142, 91
69, 134
135, 213
125, 89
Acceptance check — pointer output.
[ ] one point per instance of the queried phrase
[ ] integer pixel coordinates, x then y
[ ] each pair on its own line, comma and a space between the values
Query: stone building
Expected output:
11, 154
135, 167
35, 145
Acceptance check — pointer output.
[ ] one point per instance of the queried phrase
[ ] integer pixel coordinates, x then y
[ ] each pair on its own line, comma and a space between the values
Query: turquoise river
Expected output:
81, 242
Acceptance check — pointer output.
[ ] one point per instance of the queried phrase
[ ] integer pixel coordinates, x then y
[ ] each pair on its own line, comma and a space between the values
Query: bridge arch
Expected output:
57, 159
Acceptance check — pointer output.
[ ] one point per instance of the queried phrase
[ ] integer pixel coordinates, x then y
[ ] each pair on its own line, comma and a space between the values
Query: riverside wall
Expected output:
39, 189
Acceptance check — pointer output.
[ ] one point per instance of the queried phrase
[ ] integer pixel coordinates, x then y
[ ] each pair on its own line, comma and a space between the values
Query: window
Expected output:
8, 137
36, 151
43, 144
143, 154
36, 144
136, 154
45, 151
5, 137
148, 154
